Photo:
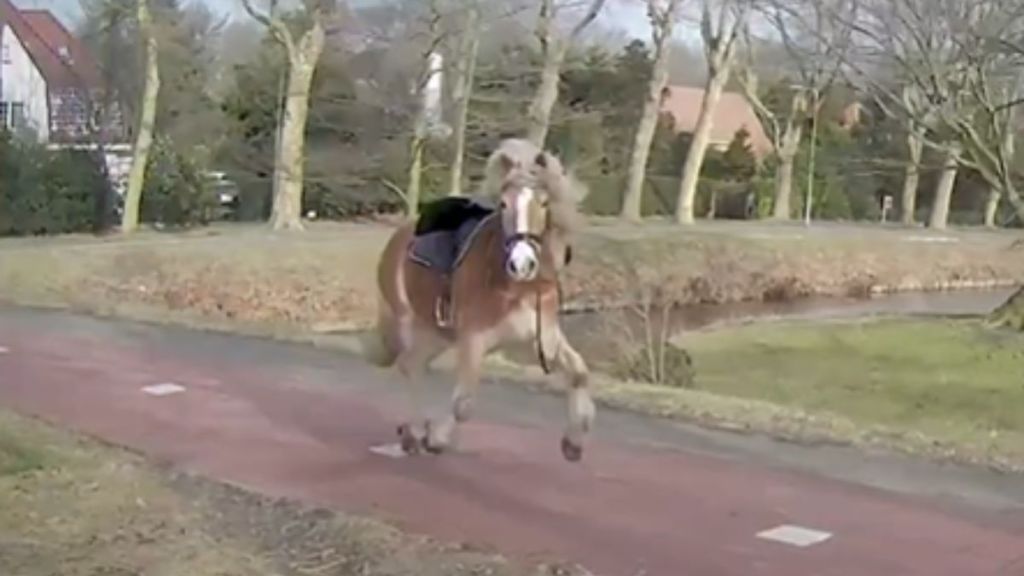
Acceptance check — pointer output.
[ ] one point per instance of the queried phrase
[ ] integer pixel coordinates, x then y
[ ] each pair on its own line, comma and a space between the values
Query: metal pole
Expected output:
810, 163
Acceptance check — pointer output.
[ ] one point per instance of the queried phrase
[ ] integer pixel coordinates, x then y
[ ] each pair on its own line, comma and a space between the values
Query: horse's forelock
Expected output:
516, 158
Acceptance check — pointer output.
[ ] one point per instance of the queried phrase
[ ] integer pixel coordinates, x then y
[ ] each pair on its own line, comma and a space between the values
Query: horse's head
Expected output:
525, 198
538, 200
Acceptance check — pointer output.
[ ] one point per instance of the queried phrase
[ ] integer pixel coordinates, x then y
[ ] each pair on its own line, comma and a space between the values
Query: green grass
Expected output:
18, 455
950, 380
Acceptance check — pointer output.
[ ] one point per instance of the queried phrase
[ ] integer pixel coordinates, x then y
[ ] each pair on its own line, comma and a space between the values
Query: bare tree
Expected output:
433, 35
720, 34
949, 53
1009, 151
554, 46
915, 148
464, 74
815, 45
147, 119
303, 51
662, 15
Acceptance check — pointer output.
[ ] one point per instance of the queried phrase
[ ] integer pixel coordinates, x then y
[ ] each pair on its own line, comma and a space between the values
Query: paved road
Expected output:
650, 498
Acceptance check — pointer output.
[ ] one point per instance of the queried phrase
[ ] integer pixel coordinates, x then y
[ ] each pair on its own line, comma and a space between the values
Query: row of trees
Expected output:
325, 109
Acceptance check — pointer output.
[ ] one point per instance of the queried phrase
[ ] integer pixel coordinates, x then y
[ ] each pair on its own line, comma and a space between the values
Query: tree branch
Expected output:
588, 18
273, 23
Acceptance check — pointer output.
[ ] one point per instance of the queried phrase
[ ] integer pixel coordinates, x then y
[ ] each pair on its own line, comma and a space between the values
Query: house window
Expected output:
12, 115
6, 53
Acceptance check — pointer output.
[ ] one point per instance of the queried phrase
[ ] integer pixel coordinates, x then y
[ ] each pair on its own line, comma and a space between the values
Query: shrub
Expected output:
48, 192
176, 191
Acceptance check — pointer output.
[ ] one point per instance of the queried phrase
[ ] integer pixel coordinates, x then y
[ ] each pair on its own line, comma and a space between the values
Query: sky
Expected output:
627, 15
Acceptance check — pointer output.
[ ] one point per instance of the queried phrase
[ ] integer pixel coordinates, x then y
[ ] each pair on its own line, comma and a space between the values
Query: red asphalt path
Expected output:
623, 511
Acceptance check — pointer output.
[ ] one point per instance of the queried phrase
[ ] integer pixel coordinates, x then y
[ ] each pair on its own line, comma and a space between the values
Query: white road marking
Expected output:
389, 450
795, 535
5, 350
164, 389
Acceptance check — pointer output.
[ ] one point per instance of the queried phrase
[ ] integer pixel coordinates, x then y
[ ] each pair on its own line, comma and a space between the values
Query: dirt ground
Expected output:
244, 277
75, 507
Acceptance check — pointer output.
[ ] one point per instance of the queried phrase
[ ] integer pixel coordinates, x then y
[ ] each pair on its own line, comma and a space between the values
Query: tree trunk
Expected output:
539, 116
992, 207
463, 92
147, 120
698, 147
944, 191
1010, 314
911, 178
789, 146
632, 199
1013, 195
413, 189
286, 213
784, 186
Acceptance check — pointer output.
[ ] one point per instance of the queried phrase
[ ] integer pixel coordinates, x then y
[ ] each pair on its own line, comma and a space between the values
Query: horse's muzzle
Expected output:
522, 257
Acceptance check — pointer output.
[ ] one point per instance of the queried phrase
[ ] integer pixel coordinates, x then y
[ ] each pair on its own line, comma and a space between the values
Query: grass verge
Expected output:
77, 508
323, 279
945, 389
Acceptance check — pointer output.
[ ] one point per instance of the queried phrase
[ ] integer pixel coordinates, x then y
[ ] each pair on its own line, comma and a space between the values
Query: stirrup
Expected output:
443, 312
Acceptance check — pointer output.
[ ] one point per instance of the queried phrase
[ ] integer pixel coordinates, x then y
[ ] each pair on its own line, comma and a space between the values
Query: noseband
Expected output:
534, 240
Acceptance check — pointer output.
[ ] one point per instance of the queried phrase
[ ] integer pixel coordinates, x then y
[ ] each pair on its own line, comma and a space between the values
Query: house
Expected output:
50, 85
732, 114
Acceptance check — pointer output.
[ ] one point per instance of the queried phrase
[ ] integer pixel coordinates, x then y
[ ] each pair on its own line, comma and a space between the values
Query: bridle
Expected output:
536, 241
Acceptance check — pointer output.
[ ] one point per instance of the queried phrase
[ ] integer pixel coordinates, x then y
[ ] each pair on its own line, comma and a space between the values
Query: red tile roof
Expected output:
43, 37
732, 113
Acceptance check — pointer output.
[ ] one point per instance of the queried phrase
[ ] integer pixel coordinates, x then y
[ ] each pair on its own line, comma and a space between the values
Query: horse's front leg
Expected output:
470, 350
581, 409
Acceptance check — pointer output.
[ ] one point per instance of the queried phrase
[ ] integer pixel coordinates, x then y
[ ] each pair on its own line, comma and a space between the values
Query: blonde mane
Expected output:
518, 158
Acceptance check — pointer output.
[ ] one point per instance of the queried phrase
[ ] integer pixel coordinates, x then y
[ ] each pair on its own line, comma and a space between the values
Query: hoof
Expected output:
427, 445
571, 451
410, 444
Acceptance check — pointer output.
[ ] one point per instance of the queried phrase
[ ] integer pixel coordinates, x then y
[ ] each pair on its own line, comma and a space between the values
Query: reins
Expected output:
537, 241
541, 356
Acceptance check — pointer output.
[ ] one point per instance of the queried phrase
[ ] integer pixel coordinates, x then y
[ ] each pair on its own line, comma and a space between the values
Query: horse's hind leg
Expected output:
423, 348
470, 351
581, 410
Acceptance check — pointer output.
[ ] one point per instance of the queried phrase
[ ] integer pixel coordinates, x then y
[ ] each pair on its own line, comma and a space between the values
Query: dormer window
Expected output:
65, 54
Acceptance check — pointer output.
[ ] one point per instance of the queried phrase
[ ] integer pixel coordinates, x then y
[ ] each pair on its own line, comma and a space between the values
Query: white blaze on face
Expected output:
522, 259
523, 210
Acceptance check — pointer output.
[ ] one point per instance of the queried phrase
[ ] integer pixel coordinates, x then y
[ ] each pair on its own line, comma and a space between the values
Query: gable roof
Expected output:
43, 37
732, 113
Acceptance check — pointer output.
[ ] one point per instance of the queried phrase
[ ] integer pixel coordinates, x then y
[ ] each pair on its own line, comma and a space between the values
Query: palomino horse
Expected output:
504, 289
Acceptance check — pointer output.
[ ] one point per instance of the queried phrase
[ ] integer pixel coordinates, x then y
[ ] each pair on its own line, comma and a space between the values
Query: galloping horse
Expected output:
502, 287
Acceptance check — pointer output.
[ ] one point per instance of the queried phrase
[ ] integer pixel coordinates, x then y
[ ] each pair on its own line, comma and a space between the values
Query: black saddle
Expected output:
444, 230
